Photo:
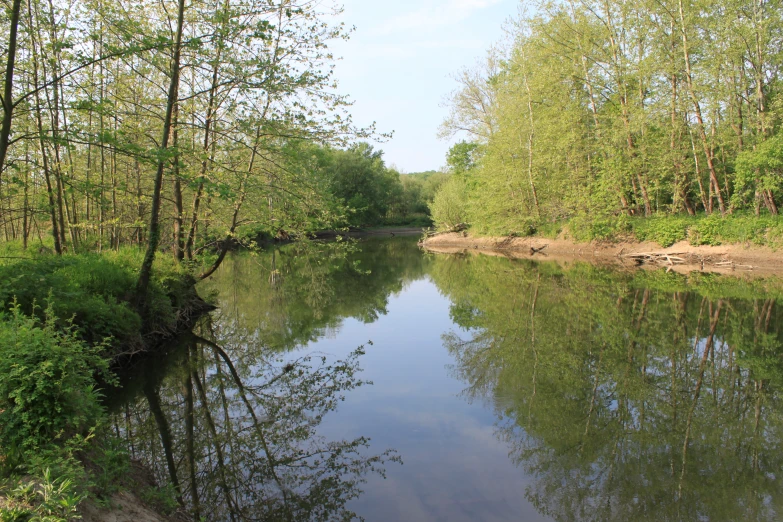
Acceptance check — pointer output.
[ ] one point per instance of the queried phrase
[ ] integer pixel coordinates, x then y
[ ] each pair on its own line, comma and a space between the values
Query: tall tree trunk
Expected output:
145, 272
54, 111
714, 184
530, 137
179, 240
207, 147
237, 207
41, 139
8, 87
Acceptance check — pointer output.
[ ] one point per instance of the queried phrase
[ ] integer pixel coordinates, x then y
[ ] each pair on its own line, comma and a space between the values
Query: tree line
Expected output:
176, 126
608, 109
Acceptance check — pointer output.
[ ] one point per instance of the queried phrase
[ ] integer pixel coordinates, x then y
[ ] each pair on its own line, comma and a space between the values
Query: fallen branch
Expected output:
679, 258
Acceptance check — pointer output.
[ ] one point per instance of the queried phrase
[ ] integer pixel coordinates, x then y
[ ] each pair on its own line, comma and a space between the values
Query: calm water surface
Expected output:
500, 390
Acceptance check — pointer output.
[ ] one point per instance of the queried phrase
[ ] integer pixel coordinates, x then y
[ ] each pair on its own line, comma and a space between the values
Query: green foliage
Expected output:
761, 168
463, 157
109, 464
450, 207
163, 498
52, 419
419, 190
664, 230
549, 230
713, 230
605, 228
706, 232
364, 192
93, 291
49, 409
47, 390
414, 221
587, 114
52, 499
359, 179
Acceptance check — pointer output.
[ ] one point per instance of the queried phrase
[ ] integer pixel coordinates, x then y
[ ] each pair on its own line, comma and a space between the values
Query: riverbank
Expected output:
682, 256
65, 323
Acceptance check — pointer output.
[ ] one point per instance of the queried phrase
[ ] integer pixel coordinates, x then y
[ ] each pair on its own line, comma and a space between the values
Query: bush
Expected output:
664, 230
450, 207
47, 390
601, 228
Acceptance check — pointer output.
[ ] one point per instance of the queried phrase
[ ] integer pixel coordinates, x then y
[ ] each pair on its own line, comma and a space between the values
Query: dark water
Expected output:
501, 390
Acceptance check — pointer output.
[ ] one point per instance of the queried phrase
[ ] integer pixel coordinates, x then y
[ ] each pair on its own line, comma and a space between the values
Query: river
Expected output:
396, 385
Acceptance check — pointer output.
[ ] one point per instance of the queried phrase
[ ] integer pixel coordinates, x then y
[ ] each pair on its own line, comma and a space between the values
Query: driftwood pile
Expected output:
671, 259
658, 258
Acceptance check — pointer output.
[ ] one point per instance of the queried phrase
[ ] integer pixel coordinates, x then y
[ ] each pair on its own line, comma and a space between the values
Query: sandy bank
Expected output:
683, 257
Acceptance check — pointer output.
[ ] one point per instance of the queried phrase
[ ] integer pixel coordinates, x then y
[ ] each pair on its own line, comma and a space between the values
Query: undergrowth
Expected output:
50, 413
92, 291
665, 230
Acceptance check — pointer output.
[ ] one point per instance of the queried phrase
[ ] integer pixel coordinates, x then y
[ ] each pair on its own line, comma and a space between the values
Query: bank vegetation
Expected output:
595, 115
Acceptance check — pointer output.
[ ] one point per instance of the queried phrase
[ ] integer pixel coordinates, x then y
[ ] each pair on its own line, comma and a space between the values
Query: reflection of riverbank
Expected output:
624, 396
725, 259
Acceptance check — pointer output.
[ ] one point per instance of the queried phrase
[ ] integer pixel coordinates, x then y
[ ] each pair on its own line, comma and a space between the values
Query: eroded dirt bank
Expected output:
681, 257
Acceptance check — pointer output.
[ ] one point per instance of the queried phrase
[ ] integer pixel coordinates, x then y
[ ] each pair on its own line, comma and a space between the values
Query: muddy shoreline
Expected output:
737, 259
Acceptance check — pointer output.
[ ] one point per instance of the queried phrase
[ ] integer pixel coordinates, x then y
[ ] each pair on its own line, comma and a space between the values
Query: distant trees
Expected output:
368, 192
626, 108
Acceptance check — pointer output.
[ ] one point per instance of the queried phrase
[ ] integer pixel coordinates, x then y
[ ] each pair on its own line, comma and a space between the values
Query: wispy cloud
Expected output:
433, 14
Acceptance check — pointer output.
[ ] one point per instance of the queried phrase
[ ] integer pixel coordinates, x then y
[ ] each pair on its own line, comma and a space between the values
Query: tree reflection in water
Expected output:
234, 429
623, 397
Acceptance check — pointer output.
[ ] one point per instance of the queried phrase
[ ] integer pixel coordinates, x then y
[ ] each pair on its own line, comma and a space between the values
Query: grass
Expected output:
92, 291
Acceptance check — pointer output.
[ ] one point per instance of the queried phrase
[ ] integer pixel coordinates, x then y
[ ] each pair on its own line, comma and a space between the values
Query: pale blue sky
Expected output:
398, 67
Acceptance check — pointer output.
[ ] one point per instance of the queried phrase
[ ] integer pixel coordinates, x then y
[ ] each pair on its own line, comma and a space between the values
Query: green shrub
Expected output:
85, 289
664, 230
707, 231
94, 291
550, 230
601, 228
47, 389
450, 207
417, 220
49, 499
